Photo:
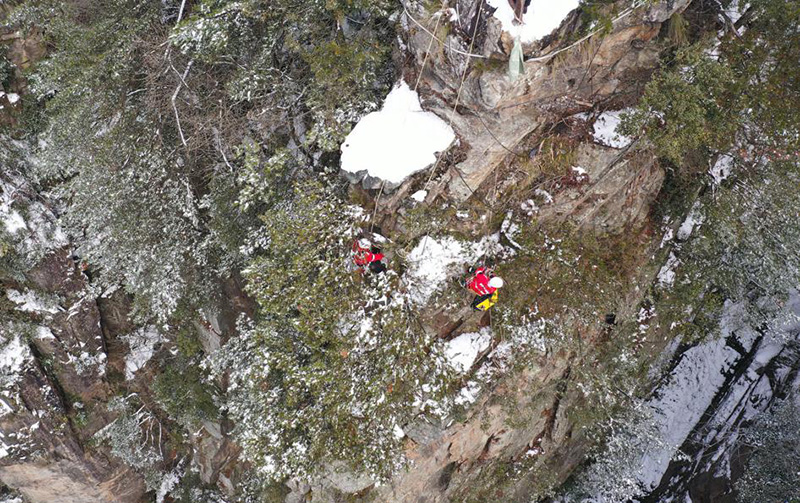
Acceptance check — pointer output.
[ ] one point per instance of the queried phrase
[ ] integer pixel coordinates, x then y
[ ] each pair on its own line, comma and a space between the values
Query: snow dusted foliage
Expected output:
132, 208
732, 95
151, 178
336, 361
134, 437
169, 481
615, 474
527, 333
28, 227
31, 302
288, 54
130, 200
139, 225
771, 474
759, 242
737, 243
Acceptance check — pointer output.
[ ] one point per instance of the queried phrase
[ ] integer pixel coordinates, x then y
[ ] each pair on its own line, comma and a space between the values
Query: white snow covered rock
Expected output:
605, 130
542, 17
464, 350
395, 142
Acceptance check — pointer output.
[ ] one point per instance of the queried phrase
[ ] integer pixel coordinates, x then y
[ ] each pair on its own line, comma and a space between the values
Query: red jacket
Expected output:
363, 256
480, 282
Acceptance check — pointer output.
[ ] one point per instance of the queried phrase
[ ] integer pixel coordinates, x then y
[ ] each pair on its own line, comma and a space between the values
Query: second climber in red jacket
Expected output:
485, 285
365, 254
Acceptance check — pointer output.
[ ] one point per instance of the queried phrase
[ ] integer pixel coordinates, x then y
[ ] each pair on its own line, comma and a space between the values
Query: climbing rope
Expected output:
469, 54
439, 16
458, 93
430, 44
450, 117
434, 37
375, 211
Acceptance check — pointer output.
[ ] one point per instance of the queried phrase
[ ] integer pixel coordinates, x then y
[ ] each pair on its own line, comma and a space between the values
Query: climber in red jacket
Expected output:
485, 285
365, 254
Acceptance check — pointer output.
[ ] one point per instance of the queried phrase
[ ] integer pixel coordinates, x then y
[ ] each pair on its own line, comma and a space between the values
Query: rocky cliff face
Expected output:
526, 423
520, 439
68, 355
495, 114
55, 360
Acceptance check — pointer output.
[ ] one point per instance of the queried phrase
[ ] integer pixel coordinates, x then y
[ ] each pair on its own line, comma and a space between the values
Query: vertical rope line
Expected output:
377, 201
455, 107
458, 93
430, 45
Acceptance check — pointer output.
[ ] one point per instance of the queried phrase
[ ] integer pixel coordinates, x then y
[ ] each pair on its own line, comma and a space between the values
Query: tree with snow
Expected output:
335, 362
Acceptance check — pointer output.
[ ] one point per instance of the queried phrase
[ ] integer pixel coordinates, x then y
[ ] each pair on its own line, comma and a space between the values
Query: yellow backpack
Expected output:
488, 303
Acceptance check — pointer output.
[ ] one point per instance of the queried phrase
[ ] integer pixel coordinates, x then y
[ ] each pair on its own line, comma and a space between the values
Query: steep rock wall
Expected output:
495, 121
495, 114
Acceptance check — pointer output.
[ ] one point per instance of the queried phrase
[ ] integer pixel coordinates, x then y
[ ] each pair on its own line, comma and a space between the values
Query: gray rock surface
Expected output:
495, 114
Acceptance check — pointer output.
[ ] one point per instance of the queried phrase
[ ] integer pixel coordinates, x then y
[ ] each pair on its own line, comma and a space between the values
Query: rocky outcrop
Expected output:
67, 481
523, 419
61, 397
495, 114
21, 51
613, 192
498, 122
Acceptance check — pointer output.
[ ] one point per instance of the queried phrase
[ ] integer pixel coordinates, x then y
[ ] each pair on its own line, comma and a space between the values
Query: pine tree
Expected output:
335, 362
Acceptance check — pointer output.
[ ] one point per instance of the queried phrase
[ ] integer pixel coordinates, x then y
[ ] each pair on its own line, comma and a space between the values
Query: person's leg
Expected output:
478, 300
377, 267
488, 303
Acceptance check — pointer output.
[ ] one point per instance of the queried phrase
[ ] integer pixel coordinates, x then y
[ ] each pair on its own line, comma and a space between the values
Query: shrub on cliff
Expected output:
335, 363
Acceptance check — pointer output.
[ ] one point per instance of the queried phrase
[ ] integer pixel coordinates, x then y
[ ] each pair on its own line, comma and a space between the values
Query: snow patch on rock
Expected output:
42, 235
605, 130
668, 235
43, 333
31, 303
14, 221
542, 18
433, 261
13, 356
168, 483
666, 276
143, 345
721, 169
468, 394
88, 363
694, 220
462, 351
398, 141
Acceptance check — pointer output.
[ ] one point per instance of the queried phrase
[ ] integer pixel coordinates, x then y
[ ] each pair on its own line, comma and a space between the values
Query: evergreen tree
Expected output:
771, 475
336, 362
734, 98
